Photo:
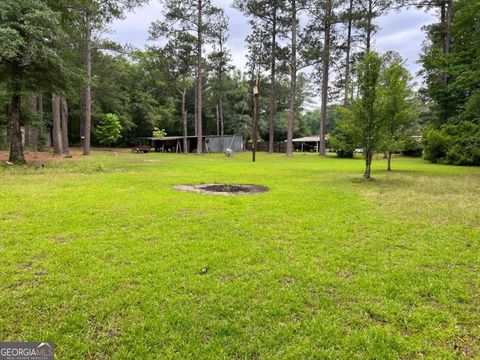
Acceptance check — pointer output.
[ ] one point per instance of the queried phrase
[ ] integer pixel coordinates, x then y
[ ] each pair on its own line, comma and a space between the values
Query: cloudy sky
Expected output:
399, 31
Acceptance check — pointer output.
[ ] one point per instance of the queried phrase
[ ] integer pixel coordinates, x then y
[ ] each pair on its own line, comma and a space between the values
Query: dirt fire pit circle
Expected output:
223, 189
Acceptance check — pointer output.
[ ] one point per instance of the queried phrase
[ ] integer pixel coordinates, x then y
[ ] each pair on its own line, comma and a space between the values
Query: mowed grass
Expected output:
102, 257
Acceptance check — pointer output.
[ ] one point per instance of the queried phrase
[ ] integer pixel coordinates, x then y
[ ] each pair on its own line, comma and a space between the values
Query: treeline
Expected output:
451, 67
59, 76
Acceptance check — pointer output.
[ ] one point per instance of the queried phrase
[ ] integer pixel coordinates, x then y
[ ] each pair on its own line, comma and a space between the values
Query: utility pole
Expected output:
255, 116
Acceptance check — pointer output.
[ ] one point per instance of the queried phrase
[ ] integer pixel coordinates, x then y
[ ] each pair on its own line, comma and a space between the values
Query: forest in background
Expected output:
59, 74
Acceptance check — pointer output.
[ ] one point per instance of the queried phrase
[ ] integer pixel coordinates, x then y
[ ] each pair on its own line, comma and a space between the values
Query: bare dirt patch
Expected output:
223, 189
42, 157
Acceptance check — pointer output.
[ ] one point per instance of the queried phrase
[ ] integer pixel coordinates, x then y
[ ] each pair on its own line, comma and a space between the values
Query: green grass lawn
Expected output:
102, 257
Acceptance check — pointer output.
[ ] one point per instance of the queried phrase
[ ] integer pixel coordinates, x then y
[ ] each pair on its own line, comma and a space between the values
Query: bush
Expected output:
457, 144
345, 153
342, 142
412, 147
159, 133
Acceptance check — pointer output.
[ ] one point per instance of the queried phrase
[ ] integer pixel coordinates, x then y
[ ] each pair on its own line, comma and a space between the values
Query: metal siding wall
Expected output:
215, 143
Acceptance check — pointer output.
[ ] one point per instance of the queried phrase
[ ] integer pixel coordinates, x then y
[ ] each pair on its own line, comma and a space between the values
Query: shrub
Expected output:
435, 144
412, 147
159, 133
457, 144
342, 141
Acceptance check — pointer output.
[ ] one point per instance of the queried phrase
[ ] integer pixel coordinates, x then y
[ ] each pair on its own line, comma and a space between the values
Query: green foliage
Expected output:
109, 130
457, 144
435, 144
453, 76
342, 140
396, 107
412, 147
312, 119
159, 133
27, 32
366, 113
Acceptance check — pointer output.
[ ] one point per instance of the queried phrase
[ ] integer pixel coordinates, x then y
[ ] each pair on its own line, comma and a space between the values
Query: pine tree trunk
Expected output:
16, 147
87, 96
56, 125
220, 102
199, 78
448, 40
217, 117
28, 126
185, 118
273, 97
293, 81
222, 135
195, 111
325, 77
64, 124
38, 131
348, 50
443, 26
34, 129
369, 25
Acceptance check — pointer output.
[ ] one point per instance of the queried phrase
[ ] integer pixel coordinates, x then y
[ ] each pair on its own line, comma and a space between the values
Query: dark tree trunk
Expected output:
195, 111
217, 115
448, 39
348, 50
87, 95
199, 78
64, 124
446, 17
56, 125
38, 130
369, 25
16, 147
185, 118
443, 26
30, 108
293, 81
255, 117
27, 136
221, 125
273, 97
368, 164
389, 160
325, 77
220, 101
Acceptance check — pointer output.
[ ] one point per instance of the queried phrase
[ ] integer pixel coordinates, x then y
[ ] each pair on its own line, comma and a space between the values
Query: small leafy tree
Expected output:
109, 130
395, 105
159, 133
366, 119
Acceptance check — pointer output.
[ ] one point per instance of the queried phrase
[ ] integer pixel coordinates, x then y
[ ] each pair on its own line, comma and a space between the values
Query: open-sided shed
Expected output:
211, 143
